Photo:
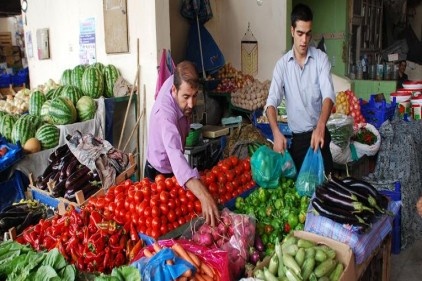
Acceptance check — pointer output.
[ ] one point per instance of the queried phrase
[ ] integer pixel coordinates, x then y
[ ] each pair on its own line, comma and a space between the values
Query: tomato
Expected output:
178, 212
164, 196
213, 188
100, 203
246, 164
190, 196
164, 229
141, 222
222, 178
164, 220
111, 207
225, 167
169, 183
140, 208
159, 177
216, 170
119, 196
171, 204
177, 202
155, 200
230, 175
210, 178
181, 220
107, 214
173, 193
127, 204
229, 187
234, 160
148, 222
147, 211
184, 209
164, 209
155, 211
197, 206
239, 170
155, 223
171, 216
190, 206
119, 189
175, 224
161, 186
183, 199
139, 196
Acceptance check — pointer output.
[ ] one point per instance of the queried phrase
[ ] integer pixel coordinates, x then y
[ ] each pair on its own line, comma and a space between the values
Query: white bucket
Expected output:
416, 111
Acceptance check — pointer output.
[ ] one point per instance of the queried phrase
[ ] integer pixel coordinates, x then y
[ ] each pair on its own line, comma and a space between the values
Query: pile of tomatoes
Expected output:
154, 208
229, 178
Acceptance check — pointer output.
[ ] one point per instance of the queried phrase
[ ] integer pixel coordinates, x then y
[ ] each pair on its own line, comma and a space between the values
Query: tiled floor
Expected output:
407, 265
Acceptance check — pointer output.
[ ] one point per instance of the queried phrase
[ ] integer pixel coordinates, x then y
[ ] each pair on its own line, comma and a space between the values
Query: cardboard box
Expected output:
343, 254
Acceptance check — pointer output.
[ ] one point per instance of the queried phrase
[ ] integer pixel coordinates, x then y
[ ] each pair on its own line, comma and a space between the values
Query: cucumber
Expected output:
300, 256
338, 270
325, 267
307, 268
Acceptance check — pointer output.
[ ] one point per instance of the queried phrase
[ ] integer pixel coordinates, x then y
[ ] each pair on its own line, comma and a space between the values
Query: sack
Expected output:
341, 129
266, 167
365, 149
311, 174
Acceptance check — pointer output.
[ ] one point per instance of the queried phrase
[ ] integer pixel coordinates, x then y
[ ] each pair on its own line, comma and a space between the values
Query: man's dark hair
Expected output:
186, 71
301, 12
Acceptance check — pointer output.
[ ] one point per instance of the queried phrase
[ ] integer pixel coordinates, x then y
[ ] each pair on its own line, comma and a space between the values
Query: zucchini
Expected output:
325, 268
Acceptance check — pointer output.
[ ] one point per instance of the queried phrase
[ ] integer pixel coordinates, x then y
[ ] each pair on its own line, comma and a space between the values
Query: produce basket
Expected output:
12, 190
377, 113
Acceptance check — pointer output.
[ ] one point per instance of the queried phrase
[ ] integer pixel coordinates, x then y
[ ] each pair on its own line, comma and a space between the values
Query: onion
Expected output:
254, 257
258, 244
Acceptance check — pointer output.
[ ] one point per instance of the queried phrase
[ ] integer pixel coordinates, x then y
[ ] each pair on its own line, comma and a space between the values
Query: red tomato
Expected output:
111, 207
216, 170
131, 194
183, 199
161, 186
230, 175
213, 188
234, 160
190, 206
147, 212
164, 196
171, 204
164, 209
222, 178
164, 220
155, 223
197, 206
178, 212
159, 177
148, 222
155, 211
190, 195
229, 187
139, 196
181, 220
169, 183
173, 193
100, 203
171, 216
163, 229
246, 164
155, 200
184, 209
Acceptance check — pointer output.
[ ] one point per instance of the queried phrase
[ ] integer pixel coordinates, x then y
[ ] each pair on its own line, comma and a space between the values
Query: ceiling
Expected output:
10, 8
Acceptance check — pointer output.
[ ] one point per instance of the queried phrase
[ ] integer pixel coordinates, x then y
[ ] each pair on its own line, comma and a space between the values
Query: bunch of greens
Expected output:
20, 262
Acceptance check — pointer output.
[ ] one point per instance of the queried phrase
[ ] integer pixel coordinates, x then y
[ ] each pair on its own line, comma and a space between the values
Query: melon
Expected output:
92, 82
36, 100
32, 145
48, 135
62, 111
111, 74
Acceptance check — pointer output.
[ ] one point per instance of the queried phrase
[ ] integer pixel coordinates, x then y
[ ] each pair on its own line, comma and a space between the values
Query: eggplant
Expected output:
336, 214
361, 197
344, 193
78, 177
361, 186
8, 222
71, 167
59, 188
91, 191
332, 199
61, 151
31, 219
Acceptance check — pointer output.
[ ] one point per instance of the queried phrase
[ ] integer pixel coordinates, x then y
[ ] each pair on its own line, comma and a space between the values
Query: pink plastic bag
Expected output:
166, 69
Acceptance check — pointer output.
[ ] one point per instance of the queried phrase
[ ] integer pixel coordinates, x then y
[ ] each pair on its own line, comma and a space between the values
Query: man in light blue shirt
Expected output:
303, 78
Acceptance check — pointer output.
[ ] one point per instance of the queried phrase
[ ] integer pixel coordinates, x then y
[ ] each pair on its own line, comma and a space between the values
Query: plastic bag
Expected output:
266, 167
234, 234
215, 258
288, 168
156, 268
311, 174
341, 129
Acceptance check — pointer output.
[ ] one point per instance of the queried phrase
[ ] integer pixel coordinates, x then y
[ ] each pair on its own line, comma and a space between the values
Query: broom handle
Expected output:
200, 47
128, 106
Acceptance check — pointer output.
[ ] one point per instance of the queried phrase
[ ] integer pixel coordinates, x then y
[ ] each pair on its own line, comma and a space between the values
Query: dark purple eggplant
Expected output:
59, 189
78, 177
359, 194
61, 150
332, 199
361, 186
344, 193
336, 214
72, 167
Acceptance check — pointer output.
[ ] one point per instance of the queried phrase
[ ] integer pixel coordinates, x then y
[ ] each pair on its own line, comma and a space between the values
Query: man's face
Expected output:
301, 36
185, 97
402, 67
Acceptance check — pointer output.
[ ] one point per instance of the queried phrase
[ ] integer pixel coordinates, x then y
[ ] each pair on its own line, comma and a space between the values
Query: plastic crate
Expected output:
14, 154
395, 195
13, 190
265, 128
377, 113
5, 80
231, 203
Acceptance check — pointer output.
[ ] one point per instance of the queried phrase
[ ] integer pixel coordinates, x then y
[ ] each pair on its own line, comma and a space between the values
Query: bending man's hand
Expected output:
280, 142
209, 207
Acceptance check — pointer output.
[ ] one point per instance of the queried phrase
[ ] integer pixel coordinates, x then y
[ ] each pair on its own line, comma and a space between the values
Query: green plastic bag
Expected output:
268, 166
311, 173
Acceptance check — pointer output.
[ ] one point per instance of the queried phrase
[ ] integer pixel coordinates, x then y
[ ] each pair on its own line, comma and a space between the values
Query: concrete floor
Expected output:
406, 266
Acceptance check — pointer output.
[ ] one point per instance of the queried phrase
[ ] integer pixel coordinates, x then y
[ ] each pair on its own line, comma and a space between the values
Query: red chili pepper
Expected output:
106, 258
119, 260
108, 226
287, 227
49, 242
133, 233
96, 243
95, 218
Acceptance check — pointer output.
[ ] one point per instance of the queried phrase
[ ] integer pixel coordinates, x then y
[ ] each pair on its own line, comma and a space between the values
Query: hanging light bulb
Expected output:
259, 2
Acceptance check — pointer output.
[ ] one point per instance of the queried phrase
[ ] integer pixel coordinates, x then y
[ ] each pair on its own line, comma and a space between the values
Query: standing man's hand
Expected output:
209, 207
280, 142
317, 140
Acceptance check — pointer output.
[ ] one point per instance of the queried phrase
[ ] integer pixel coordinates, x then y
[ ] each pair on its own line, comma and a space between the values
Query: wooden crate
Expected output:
5, 39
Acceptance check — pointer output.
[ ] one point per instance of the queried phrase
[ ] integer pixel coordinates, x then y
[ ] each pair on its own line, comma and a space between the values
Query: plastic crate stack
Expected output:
377, 113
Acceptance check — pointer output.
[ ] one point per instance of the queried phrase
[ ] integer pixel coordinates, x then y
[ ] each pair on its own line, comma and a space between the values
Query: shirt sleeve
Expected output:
326, 80
276, 91
174, 149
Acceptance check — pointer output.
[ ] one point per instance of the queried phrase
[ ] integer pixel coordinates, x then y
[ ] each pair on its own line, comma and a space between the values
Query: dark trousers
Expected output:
150, 172
300, 145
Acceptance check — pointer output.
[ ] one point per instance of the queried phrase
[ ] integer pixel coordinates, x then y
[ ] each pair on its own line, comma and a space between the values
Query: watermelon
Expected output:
49, 95
77, 73
66, 78
35, 120
6, 125
36, 100
44, 113
23, 130
71, 92
92, 83
86, 108
111, 73
100, 66
62, 111
48, 135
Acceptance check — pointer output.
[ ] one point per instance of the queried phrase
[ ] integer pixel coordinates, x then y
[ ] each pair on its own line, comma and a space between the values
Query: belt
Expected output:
303, 134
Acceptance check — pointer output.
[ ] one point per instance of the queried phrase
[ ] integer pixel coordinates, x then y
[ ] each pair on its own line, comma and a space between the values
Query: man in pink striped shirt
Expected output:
169, 125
